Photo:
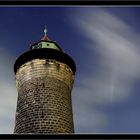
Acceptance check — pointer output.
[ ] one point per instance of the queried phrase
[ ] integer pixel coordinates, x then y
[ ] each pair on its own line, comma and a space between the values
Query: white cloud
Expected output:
118, 52
117, 62
8, 93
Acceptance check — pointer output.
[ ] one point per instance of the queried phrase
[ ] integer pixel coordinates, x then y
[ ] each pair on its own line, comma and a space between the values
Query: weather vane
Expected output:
45, 31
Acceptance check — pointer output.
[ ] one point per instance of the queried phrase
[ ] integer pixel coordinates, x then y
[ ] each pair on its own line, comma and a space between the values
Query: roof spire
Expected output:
45, 30
45, 38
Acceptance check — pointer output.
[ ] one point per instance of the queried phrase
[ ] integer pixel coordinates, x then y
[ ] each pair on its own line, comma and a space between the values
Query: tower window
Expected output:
47, 64
40, 46
58, 66
32, 64
67, 68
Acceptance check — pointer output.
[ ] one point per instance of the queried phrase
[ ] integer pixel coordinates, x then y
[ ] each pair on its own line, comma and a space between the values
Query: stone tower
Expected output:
44, 81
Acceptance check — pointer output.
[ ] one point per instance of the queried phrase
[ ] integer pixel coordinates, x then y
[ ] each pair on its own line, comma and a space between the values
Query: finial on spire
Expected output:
45, 30
45, 38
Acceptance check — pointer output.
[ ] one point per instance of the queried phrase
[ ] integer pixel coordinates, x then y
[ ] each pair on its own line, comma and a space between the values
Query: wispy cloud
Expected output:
8, 92
116, 45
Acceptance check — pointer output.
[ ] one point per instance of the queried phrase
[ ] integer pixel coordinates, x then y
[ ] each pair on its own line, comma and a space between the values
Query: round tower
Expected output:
44, 81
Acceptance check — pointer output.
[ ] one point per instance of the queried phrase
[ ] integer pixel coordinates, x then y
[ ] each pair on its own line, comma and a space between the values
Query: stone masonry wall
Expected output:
44, 97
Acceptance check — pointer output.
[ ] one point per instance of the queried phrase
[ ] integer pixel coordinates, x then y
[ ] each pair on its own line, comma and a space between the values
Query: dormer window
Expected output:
40, 45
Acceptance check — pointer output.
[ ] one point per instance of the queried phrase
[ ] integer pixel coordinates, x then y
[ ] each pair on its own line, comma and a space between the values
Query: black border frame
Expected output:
95, 136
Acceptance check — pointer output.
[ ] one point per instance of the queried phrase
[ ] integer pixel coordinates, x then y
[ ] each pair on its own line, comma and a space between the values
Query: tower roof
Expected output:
45, 38
45, 42
45, 49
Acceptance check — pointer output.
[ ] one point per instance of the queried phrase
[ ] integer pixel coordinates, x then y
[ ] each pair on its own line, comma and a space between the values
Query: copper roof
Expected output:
45, 38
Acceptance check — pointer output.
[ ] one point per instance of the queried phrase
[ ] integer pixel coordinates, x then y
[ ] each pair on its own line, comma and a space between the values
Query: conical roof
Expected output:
45, 38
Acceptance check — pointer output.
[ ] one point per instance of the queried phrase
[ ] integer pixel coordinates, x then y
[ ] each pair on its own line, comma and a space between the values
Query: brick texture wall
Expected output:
44, 97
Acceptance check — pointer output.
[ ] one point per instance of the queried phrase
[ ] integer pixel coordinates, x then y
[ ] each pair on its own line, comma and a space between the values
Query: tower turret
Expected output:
44, 80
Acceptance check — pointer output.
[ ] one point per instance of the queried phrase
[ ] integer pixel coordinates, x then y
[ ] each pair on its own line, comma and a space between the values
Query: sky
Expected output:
104, 42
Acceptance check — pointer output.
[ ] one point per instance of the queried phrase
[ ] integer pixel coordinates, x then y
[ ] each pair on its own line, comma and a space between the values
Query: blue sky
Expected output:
105, 44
